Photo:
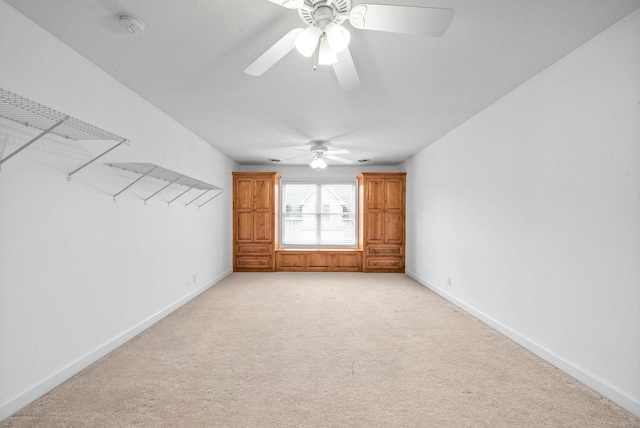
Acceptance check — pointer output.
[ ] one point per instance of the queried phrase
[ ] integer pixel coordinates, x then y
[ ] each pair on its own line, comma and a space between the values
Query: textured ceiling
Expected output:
190, 59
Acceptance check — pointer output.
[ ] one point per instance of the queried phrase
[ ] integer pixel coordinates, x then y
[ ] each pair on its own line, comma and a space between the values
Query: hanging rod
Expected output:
50, 121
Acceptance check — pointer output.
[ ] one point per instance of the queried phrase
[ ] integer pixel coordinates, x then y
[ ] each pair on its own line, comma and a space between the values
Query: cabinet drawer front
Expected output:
253, 249
380, 250
264, 263
385, 263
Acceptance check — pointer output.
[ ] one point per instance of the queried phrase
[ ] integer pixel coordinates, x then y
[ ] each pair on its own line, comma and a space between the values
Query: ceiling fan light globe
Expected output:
307, 40
318, 163
338, 37
326, 56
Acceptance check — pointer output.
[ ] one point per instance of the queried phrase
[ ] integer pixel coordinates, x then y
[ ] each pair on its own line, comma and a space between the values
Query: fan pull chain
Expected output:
316, 55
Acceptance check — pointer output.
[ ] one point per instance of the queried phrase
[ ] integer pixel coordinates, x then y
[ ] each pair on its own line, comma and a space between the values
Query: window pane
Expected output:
299, 229
301, 197
319, 214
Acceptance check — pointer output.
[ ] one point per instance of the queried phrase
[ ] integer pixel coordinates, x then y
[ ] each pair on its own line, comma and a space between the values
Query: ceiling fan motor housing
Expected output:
323, 12
319, 148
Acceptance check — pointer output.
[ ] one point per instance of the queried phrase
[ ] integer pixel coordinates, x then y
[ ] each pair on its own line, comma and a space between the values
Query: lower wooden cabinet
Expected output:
318, 260
253, 258
384, 258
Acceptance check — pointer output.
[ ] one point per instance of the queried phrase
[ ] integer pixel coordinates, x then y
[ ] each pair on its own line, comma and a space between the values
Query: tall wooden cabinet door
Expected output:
263, 210
243, 194
243, 209
263, 194
374, 210
394, 211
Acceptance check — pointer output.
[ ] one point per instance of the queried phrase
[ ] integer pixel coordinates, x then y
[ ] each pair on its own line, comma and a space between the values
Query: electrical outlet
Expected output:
194, 278
449, 281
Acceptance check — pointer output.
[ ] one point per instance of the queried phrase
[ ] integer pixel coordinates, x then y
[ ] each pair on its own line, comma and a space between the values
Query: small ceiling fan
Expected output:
320, 151
325, 36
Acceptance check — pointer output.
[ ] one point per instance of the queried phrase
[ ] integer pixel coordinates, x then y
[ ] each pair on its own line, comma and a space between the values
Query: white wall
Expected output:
532, 208
332, 172
79, 273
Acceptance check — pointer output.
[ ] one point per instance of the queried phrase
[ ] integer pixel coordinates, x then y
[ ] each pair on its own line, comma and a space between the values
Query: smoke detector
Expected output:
132, 24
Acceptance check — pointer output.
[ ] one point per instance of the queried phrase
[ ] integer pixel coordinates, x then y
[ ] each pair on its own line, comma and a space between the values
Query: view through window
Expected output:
318, 214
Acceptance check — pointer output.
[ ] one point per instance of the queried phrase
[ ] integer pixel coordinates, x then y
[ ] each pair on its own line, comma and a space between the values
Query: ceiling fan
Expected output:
325, 36
320, 151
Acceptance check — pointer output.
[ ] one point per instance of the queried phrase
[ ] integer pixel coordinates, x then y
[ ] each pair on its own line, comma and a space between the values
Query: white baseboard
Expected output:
612, 392
16, 403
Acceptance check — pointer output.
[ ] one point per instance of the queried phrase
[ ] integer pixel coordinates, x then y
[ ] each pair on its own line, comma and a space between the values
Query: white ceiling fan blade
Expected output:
338, 158
297, 157
289, 4
337, 152
423, 21
345, 71
273, 54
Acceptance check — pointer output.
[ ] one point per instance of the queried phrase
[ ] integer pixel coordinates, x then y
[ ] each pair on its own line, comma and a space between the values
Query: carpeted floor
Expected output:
321, 350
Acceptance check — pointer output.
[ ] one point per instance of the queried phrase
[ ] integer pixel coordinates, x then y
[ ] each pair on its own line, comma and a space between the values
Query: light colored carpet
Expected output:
321, 350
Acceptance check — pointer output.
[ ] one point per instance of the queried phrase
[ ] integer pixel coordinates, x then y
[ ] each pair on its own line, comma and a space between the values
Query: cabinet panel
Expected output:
243, 194
394, 195
263, 194
393, 228
349, 262
316, 260
244, 226
375, 192
262, 226
374, 227
290, 260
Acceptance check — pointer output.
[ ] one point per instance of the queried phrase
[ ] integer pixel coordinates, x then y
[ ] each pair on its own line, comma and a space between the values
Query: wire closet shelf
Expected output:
30, 113
170, 177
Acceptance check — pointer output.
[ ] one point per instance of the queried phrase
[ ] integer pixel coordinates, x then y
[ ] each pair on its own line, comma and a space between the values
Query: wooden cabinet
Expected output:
255, 211
382, 221
319, 260
381, 228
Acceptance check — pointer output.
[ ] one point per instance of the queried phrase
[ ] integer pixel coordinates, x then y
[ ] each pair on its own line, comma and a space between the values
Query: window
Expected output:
318, 214
294, 210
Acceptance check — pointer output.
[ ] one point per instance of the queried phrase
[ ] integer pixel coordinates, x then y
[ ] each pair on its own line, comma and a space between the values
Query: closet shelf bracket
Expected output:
167, 185
210, 199
169, 203
124, 141
135, 181
197, 197
33, 140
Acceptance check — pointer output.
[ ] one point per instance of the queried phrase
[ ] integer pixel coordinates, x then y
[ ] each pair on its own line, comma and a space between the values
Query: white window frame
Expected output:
319, 213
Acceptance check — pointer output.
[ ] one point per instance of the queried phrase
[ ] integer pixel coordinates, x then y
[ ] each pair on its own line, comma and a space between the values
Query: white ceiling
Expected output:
190, 59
